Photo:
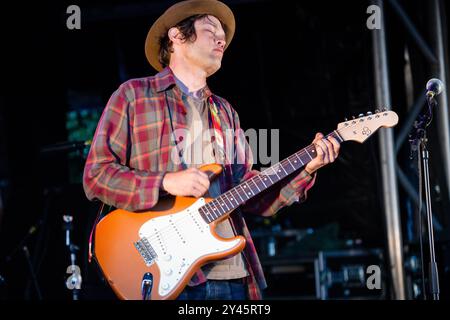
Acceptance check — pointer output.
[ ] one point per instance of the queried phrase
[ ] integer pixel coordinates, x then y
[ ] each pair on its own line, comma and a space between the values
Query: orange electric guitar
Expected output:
152, 255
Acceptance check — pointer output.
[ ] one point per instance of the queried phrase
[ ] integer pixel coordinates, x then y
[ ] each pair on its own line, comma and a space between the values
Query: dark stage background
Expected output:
300, 67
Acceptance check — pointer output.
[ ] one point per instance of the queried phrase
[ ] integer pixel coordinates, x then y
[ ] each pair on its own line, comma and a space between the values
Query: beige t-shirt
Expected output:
199, 150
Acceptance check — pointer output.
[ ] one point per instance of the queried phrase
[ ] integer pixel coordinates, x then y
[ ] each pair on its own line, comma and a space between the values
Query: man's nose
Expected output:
221, 43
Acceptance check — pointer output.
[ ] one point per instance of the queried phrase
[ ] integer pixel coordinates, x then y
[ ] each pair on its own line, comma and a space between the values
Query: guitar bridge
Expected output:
146, 251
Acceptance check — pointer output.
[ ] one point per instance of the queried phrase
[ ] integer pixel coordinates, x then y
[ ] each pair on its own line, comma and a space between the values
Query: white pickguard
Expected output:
179, 240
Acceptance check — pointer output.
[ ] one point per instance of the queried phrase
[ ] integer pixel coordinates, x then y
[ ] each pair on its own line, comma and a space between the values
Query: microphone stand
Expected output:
419, 143
74, 281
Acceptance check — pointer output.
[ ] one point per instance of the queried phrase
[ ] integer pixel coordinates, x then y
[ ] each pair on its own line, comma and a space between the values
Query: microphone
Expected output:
434, 87
66, 146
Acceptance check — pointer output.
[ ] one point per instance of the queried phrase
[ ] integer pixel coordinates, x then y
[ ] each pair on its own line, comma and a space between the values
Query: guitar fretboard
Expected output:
238, 195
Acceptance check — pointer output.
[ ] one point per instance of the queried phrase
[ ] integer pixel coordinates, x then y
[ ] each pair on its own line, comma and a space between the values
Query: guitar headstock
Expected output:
361, 128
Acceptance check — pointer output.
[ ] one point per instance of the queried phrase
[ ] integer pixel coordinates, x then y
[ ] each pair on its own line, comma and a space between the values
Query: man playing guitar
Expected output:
150, 143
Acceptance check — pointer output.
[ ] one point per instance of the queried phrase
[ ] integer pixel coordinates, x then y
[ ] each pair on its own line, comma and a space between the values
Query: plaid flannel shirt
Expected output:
131, 151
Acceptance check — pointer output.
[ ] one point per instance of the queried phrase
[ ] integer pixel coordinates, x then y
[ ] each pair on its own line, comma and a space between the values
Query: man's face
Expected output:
206, 51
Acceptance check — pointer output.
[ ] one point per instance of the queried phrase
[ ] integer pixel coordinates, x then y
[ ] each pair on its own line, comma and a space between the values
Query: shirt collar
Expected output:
165, 79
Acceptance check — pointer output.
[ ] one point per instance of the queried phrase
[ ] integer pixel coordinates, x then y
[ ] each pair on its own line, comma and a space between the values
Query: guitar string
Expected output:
169, 231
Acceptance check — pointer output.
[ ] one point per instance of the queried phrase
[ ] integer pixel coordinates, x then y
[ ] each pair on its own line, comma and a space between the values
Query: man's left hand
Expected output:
327, 150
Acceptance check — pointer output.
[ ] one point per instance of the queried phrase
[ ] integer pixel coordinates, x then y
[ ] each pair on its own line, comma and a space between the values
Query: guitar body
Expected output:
161, 249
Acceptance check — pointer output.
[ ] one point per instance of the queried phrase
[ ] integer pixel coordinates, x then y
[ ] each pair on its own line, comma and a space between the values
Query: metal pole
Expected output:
441, 70
386, 145
413, 32
433, 274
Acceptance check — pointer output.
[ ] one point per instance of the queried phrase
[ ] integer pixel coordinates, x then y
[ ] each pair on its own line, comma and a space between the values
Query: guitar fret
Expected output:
261, 185
308, 153
220, 203
268, 175
276, 174
215, 209
203, 213
228, 196
237, 192
231, 198
237, 196
221, 209
224, 197
208, 214
262, 180
282, 167
248, 188
299, 158
306, 157
244, 192
254, 182
212, 214
291, 164
208, 218
337, 136
210, 204
289, 167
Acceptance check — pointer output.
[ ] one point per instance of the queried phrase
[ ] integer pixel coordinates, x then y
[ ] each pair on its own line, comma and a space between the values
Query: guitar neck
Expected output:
250, 188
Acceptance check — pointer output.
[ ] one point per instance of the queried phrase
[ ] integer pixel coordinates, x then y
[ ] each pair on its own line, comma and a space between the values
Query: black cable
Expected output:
32, 272
419, 168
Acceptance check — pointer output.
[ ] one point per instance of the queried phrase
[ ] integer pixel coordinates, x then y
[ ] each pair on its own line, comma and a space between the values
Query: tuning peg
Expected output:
345, 119
377, 111
353, 117
369, 113
361, 115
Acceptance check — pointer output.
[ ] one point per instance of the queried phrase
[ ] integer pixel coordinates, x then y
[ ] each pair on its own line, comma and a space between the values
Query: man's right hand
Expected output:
189, 182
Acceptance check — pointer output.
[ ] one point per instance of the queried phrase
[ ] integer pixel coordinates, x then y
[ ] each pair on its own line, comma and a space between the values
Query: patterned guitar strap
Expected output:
218, 132
220, 145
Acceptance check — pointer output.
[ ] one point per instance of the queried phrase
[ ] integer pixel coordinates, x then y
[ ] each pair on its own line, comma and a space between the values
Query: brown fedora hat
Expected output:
177, 13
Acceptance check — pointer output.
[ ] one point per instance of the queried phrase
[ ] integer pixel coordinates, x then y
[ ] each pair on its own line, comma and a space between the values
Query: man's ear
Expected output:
175, 35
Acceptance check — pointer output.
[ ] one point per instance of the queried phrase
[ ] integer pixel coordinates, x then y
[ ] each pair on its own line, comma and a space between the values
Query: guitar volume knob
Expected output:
168, 272
167, 257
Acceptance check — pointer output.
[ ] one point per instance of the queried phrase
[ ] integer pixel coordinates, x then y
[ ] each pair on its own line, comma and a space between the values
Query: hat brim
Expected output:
177, 13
